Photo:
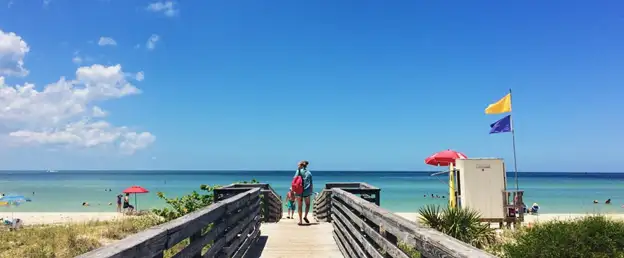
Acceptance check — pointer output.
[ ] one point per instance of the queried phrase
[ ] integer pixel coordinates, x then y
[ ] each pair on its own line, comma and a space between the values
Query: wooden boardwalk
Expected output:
247, 221
288, 240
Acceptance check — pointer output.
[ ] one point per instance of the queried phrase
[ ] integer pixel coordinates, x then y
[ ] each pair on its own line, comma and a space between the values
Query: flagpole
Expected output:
513, 139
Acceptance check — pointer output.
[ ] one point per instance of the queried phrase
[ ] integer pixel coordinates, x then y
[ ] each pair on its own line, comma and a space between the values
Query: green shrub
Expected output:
410, 251
462, 224
180, 206
592, 236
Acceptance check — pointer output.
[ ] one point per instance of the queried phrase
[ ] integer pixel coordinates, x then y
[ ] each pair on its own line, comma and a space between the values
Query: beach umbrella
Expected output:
13, 200
447, 158
444, 158
135, 189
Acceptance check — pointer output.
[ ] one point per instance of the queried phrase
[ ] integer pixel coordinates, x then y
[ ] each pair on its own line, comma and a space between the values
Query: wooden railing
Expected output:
364, 190
226, 228
272, 208
322, 202
363, 229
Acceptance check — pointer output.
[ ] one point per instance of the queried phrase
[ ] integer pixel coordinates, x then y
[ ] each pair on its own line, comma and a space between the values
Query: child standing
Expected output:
290, 198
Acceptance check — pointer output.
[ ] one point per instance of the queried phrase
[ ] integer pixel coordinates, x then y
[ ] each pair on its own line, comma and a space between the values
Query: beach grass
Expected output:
589, 236
69, 240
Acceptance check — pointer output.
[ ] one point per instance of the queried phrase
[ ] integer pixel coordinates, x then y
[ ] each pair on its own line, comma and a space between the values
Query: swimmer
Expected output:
85, 204
595, 201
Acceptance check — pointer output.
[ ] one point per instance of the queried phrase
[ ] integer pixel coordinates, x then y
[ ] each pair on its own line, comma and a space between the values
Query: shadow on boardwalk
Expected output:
256, 250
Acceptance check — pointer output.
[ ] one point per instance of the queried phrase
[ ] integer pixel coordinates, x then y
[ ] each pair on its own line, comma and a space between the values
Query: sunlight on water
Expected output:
401, 191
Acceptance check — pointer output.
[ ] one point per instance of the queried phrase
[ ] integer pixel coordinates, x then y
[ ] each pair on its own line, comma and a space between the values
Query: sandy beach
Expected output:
534, 218
36, 218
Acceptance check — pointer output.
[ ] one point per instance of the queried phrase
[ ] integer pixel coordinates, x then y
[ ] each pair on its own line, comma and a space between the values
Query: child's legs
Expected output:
293, 207
289, 207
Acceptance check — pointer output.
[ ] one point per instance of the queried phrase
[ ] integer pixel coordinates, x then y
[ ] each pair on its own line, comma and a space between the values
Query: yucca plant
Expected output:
462, 224
431, 215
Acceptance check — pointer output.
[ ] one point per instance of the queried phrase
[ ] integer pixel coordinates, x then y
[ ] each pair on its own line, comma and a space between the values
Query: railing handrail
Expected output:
429, 242
272, 205
350, 185
155, 240
359, 222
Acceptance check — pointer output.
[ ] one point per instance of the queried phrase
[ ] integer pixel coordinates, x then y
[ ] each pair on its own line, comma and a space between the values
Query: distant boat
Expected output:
52, 171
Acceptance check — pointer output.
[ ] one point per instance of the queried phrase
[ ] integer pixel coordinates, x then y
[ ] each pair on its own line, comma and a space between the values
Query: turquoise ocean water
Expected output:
401, 191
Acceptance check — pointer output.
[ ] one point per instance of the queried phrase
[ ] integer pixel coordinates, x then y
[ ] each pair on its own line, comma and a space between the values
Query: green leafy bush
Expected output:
180, 206
410, 251
592, 236
462, 224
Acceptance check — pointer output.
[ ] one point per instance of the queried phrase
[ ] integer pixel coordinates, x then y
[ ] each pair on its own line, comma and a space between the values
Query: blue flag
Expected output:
501, 126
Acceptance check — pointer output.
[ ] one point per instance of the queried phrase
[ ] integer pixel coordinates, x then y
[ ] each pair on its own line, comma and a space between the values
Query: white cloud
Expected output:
81, 58
77, 60
87, 134
151, 42
65, 114
98, 112
13, 49
107, 41
140, 76
168, 8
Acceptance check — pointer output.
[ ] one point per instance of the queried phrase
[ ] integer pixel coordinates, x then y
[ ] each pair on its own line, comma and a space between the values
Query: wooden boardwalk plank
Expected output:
286, 239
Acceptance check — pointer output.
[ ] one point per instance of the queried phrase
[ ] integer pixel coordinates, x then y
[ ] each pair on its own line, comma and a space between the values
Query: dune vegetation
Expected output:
590, 236
69, 240
72, 239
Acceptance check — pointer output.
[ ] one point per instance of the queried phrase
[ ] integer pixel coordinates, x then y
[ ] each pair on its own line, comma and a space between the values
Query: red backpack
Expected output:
297, 184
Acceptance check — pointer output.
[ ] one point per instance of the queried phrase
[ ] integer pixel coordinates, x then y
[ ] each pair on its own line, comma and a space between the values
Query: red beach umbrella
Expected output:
444, 158
135, 189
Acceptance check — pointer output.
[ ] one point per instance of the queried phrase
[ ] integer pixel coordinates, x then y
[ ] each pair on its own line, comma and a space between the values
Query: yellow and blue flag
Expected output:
501, 106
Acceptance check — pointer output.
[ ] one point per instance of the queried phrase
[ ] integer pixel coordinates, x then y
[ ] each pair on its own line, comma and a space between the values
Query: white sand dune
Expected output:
35, 218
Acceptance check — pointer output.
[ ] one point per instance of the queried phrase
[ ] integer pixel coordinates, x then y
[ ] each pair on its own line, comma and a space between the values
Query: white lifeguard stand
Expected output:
481, 185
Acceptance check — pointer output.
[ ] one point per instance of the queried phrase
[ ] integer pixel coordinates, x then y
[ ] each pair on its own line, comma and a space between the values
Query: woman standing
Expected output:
126, 203
119, 197
305, 174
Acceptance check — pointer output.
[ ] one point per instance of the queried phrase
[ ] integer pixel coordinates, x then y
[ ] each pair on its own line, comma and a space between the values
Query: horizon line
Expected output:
270, 170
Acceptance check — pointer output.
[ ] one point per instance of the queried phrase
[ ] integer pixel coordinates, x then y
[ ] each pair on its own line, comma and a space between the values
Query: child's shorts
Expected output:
291, 205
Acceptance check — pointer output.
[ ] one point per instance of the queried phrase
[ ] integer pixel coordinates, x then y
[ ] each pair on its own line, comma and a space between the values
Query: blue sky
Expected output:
345, 84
